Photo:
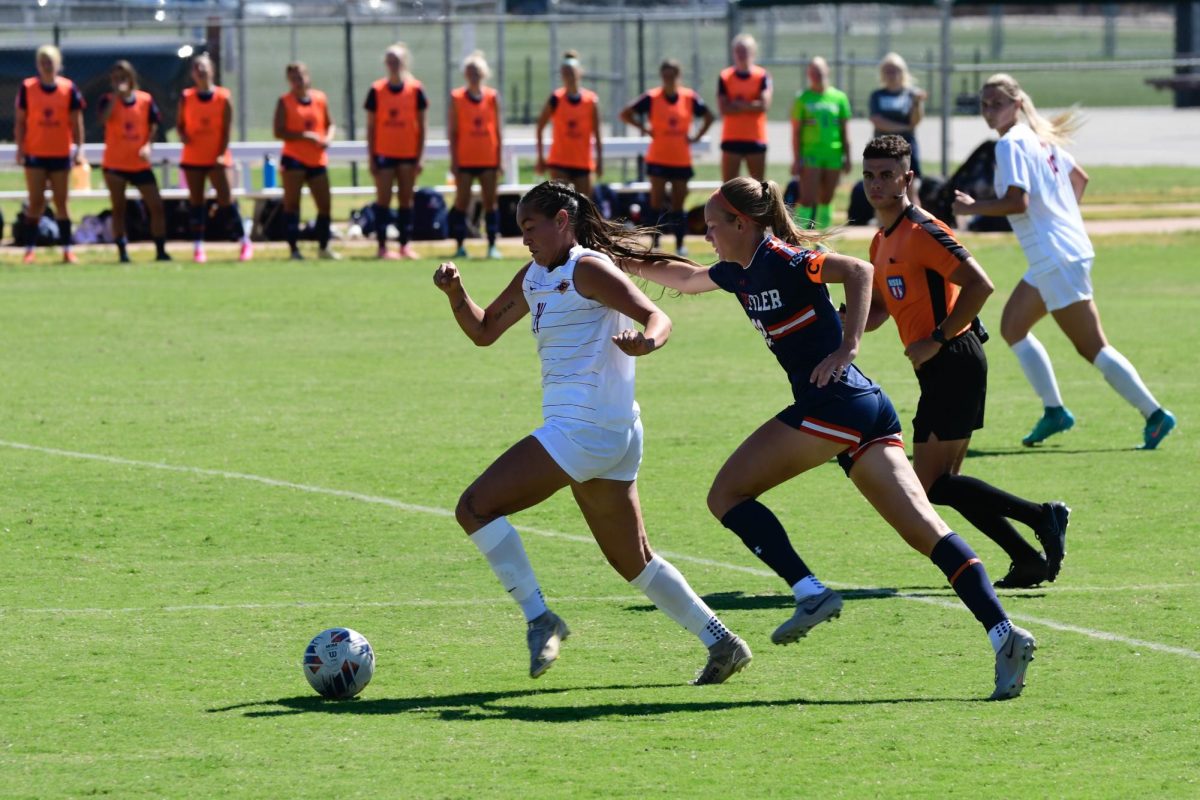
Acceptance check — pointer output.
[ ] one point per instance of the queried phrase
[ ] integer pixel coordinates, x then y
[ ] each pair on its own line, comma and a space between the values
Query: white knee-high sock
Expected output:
669, 590
501, 546
1122, 376
1035, 363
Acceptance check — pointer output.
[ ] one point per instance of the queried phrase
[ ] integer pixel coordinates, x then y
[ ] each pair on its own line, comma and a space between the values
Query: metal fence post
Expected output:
947, 9
351, 127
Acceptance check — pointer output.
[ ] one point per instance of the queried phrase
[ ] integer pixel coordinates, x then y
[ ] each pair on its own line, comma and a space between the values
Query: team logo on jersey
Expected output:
896, 287
563, 286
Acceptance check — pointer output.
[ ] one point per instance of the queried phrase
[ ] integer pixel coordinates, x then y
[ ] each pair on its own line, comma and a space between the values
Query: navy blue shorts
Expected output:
953, 391
670, 173
572, 173
387, 162
744, 148
476, 171
48, 164
289, 164
856, 417
139, 178
205, 168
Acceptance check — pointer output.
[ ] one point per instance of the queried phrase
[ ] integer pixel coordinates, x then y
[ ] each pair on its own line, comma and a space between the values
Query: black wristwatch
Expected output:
938, 335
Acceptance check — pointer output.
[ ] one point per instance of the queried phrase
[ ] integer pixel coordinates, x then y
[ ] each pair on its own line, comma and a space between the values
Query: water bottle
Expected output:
268, 172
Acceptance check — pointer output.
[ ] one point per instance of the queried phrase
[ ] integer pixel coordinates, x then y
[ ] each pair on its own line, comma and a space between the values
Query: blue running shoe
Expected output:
1055, 420
1159, 424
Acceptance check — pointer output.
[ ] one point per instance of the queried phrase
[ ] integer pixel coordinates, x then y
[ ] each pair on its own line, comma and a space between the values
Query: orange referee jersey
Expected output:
48, 131
301, 118
574, 126
477, 144
748, 87
204, 120
396, 118
913, 262
670, 127
127, 130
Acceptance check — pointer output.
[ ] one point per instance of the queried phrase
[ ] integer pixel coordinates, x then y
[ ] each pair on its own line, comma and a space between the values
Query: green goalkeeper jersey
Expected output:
819, 115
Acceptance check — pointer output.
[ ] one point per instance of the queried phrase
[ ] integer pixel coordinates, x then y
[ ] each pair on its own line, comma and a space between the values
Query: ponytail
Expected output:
1056, 130
761, 202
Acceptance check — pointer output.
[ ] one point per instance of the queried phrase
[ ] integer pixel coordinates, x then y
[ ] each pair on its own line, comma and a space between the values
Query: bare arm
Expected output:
707, 123
500, 137
628, 117
420, 136
878, 313
77, 128
976, 288
19, 133
482, 326
542, 120
1079, 182
844, 127
599, 139
885, 125
682, 276
330, 127
606, 284
855, 275
226, 129
281, 131
1015, 201
452, 133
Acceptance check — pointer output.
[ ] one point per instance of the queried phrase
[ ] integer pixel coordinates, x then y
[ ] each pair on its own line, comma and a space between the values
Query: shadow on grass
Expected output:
739, 601
1052, 450
471, 706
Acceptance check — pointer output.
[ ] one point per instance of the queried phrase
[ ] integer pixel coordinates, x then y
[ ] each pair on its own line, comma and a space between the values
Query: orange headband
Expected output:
729, 206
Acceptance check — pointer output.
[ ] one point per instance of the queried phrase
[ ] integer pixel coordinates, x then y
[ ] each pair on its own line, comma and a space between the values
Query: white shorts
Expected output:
586, 451
1062, 285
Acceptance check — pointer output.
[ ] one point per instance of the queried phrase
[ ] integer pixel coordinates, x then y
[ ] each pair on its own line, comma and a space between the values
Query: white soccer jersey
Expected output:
1051, 232
585, 377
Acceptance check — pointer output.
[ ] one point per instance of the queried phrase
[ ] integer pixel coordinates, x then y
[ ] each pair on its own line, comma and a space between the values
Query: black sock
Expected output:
761, 532
323, 235
291, 221
383, 218
678, 226
955, 558
160, 245
64, 232
233, 220
492, 219
458, 226
404, 223
123, 246
983, 506
196, 222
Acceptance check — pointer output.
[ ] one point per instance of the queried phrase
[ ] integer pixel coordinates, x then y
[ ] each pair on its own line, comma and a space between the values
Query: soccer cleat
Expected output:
247, 251
810, 612
199, 256
163, 256
296, 255
494, 253
461, 252
406, 251
124, 258
385, 254
1025, 575
325, 254
1011, 662
725, 657
1055, 420
544, 636
69, 257
30, 257
1158, 425
1053, 536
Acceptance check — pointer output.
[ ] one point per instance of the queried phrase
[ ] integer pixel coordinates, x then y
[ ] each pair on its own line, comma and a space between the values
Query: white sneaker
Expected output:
325, 254
544, 636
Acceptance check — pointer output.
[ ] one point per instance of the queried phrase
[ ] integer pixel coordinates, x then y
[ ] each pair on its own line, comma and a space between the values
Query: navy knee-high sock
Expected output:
323, 221
955, 558
64, 233
492, 219
383, 218
678, 226
196, 222
984, 507
291, 221
761, 532
233, 220
458, 225
404, 221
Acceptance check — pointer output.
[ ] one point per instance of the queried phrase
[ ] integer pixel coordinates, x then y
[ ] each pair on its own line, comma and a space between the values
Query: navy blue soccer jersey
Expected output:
782, 294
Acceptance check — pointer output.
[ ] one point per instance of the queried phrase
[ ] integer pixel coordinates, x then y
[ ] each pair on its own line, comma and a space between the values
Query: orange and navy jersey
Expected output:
574, 121
913, 262
301, 116
396, 110
785, 299
746, 86
48, 130
203, 116
127, 130
477, 142
670, 120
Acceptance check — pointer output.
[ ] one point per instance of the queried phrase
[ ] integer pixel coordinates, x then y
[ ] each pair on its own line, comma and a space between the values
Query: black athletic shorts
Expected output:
669, 173
138, 178
572, 173
744, 148
289, 164
50, 164
475, 172
953, 391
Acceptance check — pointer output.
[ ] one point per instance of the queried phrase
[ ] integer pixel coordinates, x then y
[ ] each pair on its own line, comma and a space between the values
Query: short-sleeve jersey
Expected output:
913, 260
785, 299
585, 377
819, 116
309, 115
396, 110
477, 144
670, 120
1051, 232
895, 106
204, 118
127, 130
48, 129
748, 86
574, 121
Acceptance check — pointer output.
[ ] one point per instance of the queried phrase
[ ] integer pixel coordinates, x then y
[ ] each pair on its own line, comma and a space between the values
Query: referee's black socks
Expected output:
989, 509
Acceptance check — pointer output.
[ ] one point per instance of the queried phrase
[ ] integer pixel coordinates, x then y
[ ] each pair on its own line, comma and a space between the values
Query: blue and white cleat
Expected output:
1158, 425
1011, 663
810, 612
1055, 420
544, 635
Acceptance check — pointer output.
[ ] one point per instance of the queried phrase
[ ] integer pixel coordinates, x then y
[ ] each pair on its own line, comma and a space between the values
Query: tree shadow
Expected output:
475, 706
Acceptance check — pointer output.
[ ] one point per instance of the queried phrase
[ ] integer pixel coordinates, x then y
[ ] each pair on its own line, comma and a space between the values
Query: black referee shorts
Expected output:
953, 391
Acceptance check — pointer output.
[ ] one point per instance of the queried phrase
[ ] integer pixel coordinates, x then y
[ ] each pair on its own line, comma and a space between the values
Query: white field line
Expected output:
443, 512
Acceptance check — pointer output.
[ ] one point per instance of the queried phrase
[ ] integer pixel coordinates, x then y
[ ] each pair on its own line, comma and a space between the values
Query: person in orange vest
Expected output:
575, 113
49, 135
473, 126
744, 96
302, 121
667, 114
205, 119
395, 106
131, 121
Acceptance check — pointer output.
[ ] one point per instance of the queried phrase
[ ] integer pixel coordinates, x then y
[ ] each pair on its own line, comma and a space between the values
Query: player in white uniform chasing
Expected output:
583, 308
1038, 187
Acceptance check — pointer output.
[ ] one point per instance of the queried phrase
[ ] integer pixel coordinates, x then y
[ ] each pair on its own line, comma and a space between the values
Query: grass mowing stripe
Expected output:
398, 504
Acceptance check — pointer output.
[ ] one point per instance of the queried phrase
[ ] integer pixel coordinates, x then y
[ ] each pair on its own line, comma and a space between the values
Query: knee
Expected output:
1011, 332
722, 498
469, 514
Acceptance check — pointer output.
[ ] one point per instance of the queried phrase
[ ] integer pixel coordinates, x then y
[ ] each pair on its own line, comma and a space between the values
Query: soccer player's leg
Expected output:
458, 212
488, 182
59, 191
115, 183
158, 217
1023, 310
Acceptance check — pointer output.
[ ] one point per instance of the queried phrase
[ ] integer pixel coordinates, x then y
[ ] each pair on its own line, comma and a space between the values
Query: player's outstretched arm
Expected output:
681, 275
482, 326
607, 284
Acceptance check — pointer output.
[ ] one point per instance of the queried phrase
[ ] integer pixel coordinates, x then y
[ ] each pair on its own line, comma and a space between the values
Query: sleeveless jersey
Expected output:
670, 127
478, 143
573, 129
748, 87
204, 119
783, 296
310, 116
585, 377
396, 118
127, 130
48, 131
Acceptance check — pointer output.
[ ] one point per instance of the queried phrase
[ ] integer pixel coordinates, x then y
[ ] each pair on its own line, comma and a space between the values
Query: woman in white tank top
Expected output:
582, 311
1038, 187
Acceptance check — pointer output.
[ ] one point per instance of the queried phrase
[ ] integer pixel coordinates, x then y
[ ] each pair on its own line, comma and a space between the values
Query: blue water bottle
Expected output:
268, 172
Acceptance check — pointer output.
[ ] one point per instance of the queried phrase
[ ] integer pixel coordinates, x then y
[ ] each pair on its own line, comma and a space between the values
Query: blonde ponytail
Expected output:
1055, 130
762, 203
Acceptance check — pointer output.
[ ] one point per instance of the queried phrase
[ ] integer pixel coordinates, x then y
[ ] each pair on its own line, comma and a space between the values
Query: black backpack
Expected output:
430, 219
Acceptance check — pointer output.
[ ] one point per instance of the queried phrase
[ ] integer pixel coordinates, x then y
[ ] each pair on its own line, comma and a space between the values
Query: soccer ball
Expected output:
339, 663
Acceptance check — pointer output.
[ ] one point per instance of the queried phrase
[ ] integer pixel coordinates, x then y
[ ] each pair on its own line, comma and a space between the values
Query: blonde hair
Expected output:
476, 59
400, 51
747, 41
762, 203
1056, 130
896, 60
51, 52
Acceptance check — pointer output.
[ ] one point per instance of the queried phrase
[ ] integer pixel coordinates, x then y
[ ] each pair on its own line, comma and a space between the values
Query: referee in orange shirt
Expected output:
934, 289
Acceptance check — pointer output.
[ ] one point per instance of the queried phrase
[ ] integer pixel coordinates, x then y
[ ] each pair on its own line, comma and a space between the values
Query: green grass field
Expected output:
205, 466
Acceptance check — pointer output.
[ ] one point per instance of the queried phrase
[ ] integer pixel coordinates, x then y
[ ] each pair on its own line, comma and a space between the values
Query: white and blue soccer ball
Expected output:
339, 663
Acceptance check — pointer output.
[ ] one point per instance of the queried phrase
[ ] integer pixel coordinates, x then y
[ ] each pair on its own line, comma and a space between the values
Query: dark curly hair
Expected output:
890, 146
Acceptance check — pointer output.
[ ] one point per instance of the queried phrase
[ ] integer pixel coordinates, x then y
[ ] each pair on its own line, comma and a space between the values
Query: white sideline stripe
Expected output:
300, 604
442, 512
